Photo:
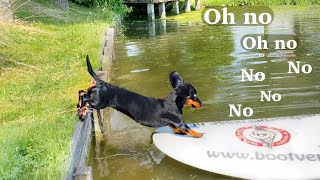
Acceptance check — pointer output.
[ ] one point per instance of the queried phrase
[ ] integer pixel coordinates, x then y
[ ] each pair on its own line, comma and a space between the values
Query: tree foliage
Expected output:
116, 6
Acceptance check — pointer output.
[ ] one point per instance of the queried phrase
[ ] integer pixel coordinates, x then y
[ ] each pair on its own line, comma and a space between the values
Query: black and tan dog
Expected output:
147, 111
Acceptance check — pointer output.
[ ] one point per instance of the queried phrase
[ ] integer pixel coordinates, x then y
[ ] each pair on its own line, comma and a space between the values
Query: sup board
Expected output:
274, 148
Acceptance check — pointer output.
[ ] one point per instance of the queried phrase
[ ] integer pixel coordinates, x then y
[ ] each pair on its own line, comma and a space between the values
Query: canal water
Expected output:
209, 57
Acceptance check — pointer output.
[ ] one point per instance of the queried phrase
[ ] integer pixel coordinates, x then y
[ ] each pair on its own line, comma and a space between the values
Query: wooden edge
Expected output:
82, 134
83, 173
80, 142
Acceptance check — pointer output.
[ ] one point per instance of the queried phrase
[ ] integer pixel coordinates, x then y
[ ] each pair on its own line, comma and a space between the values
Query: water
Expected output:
210, 58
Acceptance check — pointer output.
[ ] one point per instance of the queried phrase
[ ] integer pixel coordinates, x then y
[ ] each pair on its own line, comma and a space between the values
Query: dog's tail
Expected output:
91, 72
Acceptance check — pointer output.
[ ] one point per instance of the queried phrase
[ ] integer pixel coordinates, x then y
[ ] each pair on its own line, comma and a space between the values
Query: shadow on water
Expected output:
209, 57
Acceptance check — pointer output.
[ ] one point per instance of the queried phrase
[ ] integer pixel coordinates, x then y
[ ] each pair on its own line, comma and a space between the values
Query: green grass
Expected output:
46, 12
195, 16
42, 66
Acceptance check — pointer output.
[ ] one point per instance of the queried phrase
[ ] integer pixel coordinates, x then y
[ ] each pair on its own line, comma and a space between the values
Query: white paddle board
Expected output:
275, 148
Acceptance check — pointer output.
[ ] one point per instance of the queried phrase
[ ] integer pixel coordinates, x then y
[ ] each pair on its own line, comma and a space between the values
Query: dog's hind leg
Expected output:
82, 104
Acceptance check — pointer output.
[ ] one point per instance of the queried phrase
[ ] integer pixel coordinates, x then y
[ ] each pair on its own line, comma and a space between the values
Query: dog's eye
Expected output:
194, 95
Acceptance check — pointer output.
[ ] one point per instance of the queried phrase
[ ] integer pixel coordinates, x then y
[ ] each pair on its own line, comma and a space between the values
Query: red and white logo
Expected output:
263, 136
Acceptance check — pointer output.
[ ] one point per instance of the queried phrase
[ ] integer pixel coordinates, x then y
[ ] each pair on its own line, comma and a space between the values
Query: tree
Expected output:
64, 4
6, 10
187, 7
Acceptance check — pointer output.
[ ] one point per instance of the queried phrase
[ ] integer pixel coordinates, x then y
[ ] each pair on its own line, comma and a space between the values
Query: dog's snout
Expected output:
193, 102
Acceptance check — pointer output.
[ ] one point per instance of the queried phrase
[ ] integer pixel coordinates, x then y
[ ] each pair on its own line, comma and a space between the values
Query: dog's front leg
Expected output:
185, 129
182, 128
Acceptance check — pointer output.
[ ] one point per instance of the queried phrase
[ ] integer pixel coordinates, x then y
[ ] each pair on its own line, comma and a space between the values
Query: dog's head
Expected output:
186, 93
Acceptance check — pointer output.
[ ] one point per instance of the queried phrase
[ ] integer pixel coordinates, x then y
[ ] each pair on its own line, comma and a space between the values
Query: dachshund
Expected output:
147, 111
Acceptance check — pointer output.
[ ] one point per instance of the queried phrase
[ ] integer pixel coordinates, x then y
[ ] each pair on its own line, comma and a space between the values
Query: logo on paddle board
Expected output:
263, 136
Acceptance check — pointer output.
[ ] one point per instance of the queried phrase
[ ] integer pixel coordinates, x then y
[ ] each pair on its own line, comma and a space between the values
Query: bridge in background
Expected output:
162, 7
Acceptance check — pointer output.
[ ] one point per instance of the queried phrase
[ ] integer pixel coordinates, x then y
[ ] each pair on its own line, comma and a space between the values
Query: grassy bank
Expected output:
42, 66
195, 16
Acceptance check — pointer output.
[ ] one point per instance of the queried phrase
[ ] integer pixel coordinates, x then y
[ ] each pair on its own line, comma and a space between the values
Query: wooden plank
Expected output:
102, 123
107, 58
82, 135
85, 140
83, 173
108, 54
80, 142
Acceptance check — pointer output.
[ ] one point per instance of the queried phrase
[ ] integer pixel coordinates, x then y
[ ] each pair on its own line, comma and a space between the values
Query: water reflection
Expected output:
152, 28
133, 49
210, 58
163, 26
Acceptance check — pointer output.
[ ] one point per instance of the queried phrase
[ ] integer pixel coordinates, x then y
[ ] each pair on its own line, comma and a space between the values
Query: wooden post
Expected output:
176, 7
187, 6
197, 5
108, 54
80, 142
107, 58
150, 7
82, 134
102, 117
162, 10
83, 173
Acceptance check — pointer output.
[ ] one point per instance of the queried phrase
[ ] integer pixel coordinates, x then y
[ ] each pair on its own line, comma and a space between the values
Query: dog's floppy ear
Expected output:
175, 79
